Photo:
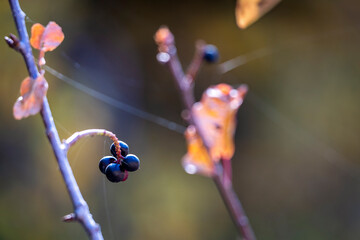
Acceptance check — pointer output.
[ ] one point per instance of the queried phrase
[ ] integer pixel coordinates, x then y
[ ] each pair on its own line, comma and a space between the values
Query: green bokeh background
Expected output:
296, 167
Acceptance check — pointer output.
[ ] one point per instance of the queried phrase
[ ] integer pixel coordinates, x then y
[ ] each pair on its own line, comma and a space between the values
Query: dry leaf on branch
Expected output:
197, 159
46, 38
32, 95
249, 11
216, 117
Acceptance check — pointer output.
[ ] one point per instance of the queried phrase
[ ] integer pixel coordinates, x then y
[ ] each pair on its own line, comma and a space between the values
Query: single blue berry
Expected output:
211, 53
105, 161
131, 163
124, 149
115, 173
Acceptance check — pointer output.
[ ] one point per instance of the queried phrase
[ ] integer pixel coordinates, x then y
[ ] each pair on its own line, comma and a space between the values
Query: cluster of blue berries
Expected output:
116, 171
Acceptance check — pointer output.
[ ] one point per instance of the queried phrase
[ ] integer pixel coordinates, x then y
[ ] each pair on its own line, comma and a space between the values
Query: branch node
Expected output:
13, 41
69, 218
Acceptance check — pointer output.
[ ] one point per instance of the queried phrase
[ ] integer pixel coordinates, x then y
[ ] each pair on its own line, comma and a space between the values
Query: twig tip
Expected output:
12, 41
69, 218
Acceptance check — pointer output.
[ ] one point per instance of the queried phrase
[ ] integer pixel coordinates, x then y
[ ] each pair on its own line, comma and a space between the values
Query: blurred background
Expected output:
296, 167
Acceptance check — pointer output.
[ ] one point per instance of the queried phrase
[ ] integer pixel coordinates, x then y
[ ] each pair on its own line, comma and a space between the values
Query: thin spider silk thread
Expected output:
173, 126
116, 103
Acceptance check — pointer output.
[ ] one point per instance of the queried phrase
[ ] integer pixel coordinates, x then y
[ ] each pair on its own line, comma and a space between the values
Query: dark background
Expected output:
296, 167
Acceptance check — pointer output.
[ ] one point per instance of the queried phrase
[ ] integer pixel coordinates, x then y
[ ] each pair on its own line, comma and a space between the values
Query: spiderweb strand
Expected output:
116, 103
241, 60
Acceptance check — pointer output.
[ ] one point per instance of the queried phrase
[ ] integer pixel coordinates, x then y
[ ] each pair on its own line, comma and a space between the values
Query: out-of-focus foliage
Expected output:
249, 11
296, 164
32, 93
46, 38
216, 117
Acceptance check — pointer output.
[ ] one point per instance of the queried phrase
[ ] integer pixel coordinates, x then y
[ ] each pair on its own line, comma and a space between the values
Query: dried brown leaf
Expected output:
216, 117
216, 114
197, 159
31, 99
249, 11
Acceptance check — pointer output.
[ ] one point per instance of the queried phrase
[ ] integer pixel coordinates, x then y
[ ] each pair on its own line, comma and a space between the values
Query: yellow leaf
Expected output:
197, 159
216, 115
216, 118
249, 11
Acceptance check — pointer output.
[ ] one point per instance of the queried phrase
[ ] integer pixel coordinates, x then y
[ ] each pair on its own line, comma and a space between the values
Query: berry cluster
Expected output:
118, 170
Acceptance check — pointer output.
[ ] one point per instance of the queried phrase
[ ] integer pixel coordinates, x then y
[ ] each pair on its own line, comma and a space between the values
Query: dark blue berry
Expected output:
115, 173
131, 163
124, 149
211, 53
105, 161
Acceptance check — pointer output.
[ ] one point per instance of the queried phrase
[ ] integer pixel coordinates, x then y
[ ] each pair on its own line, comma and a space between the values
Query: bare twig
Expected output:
185, 83
197, 60
90, 133
81, 209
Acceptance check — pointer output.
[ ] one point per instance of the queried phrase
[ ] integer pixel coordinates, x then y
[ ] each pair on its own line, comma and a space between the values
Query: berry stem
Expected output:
185, 83
81, 209
94, 132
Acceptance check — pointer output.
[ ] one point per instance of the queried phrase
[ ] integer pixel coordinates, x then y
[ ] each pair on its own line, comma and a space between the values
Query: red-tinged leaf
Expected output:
37, 31
46, 38
31, 99
52, 37
197, 159
216, 115
26, 86
249, 11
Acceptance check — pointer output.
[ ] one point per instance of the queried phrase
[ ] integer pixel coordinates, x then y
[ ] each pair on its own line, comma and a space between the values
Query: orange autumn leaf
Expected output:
48, 38
216, 118
37, 31
31, 99
52, 37
216, 115
249, 11
197, 159
26, 86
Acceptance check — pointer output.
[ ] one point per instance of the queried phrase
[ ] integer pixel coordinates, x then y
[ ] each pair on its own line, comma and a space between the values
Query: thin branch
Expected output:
81, 209
25, 49
197, 60
90, 133
185, 84
234, 206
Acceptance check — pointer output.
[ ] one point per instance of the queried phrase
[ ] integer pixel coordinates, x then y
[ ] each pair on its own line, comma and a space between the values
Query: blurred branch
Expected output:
196, 61
185, 83
81, 209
